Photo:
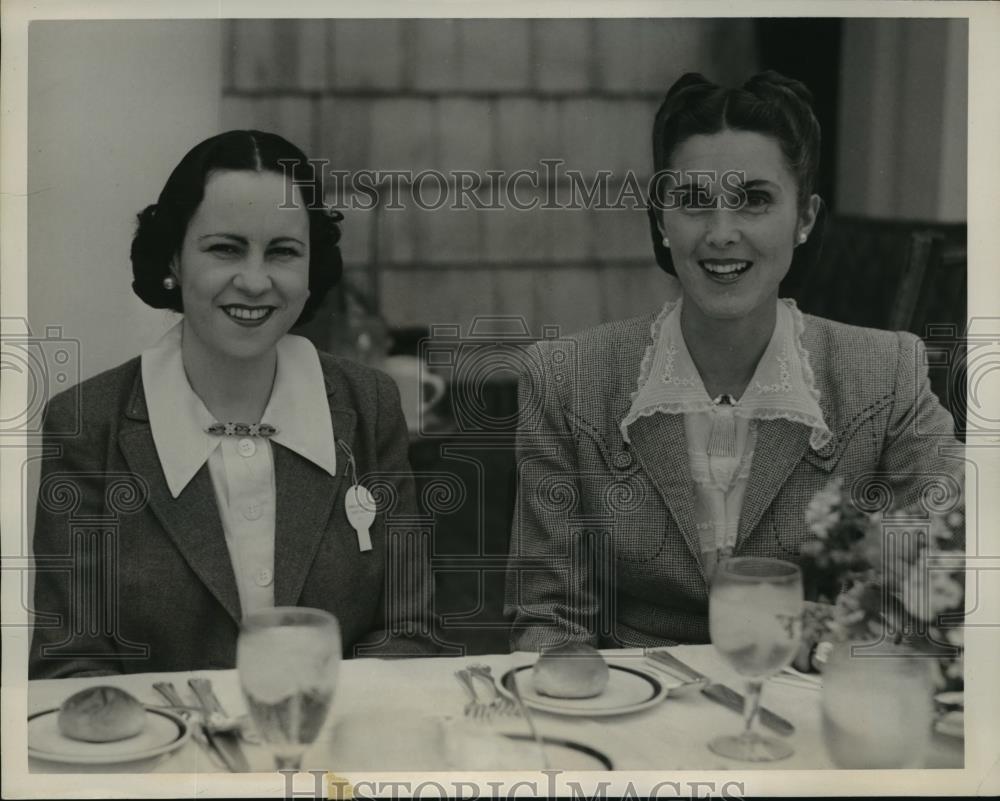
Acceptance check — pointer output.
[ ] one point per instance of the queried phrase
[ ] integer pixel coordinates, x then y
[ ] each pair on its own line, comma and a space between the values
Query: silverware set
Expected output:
218, 734
720, 693
494, 702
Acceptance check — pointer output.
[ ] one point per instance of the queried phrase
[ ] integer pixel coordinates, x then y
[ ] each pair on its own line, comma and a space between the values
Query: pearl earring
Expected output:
803, 236
666, 242
170, 283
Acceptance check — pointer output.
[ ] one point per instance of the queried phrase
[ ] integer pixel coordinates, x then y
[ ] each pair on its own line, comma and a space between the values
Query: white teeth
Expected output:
247, 314
725, 269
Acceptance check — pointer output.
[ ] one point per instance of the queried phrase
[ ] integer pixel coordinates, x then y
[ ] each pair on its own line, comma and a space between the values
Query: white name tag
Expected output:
360, 507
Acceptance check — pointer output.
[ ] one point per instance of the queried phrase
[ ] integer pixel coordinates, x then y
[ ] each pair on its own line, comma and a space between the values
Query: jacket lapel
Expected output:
781, 445
192, 519
660, 443
306, 497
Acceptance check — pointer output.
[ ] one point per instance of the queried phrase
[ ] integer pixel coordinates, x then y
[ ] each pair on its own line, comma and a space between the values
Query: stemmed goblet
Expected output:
755, 622
288, 659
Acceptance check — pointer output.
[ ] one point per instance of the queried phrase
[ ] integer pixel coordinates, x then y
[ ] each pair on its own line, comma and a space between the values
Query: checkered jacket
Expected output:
604, 546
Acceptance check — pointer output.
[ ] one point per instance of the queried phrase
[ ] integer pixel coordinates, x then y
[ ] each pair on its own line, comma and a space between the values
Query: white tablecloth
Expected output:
407, 715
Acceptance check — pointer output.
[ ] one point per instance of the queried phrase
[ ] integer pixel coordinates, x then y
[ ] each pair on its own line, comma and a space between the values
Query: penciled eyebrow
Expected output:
762, 183
244, 241
756, 183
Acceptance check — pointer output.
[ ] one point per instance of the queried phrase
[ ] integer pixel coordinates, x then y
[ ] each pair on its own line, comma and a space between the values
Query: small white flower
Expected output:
854, 617
821, 513
927, 593
945, 592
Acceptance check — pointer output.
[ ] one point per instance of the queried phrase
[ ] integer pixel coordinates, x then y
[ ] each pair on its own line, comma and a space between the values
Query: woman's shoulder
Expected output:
361, 381
613, 341
101, 395
841, 340
611, 333
860, 365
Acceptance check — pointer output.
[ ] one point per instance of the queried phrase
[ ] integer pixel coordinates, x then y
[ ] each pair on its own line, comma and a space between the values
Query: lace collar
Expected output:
782, 385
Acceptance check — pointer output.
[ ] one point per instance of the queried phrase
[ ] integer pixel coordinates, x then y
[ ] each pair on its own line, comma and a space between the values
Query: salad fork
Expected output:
169, 692
475, 708
501, 704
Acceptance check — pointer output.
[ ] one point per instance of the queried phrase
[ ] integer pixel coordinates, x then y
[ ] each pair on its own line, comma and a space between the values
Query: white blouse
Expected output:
722, 432
242, 468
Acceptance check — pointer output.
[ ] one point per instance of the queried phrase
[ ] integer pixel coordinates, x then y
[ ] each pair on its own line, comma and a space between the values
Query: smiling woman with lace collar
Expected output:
650, 449
212, 459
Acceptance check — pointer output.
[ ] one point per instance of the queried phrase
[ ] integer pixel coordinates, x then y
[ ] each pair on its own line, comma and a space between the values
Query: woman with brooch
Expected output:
650, 449
232, 466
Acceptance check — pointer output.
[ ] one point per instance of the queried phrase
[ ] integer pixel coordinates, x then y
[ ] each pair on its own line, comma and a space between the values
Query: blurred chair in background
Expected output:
899, 276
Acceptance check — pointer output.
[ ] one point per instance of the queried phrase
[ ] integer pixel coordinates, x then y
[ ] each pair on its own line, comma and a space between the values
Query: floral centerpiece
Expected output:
896, 576
892, 662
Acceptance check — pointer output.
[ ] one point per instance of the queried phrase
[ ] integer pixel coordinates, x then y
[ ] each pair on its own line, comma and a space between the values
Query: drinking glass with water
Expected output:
755, 622
288, 659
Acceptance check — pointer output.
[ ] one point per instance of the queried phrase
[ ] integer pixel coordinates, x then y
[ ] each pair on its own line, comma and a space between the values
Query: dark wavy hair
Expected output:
768, 103
160, 232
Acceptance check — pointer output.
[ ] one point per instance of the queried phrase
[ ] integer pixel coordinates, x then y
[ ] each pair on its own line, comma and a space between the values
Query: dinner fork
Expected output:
169, 692
501, 704
475, 708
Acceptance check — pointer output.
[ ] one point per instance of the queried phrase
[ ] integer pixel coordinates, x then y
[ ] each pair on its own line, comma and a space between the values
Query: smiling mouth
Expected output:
248, 315
725, 270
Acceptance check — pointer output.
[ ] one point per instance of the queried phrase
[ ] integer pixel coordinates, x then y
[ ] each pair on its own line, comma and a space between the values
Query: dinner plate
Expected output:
629, 690
164, 731
568, 755
951, 724
950, 700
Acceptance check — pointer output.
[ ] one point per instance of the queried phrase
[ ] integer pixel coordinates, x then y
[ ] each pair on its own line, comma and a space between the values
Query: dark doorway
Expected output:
809, 50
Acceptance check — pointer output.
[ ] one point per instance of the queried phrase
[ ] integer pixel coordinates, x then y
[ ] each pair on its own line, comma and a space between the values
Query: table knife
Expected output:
169, 692
722, 694
226, 744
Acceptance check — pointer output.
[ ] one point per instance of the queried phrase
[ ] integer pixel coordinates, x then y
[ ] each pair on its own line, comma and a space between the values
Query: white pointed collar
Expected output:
178, 418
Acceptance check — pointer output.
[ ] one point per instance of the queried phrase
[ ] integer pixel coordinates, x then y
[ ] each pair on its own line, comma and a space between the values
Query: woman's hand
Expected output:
815, 617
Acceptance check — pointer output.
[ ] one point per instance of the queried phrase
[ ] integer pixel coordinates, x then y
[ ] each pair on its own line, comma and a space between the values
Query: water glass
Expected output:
288, 659
877, 707
755, 621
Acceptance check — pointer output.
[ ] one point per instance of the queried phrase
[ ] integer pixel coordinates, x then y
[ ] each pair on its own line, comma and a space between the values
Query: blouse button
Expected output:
247, 448
263, 577
252, 511
623, 460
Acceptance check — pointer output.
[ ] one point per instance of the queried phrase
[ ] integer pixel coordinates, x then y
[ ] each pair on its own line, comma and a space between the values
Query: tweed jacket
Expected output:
131, 580
604, 545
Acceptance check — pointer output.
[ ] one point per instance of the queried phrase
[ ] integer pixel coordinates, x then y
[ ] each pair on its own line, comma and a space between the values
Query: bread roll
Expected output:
101, 715
572, 670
